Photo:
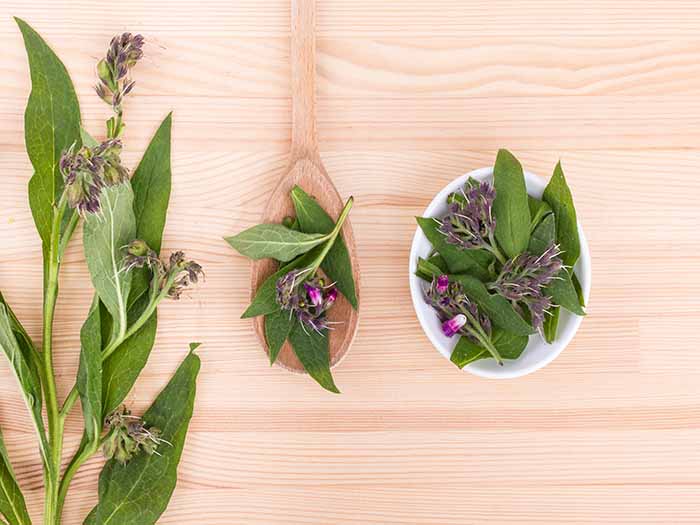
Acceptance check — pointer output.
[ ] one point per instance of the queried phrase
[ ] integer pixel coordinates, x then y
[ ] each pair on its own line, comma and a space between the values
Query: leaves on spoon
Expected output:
105, 235
51, 125
337, 265
277, 327
475, 262
511, 205
274, 241
89, 380
23, 369
137, 493
12, 504
558, 195
312, 350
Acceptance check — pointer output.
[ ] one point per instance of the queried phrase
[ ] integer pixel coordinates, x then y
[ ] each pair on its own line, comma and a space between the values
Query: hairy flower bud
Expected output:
140, 255
124, 52
308, 297
181, 273
470, 222
127, 435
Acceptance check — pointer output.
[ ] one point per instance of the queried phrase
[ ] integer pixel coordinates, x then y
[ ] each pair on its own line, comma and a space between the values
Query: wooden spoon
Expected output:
306, 170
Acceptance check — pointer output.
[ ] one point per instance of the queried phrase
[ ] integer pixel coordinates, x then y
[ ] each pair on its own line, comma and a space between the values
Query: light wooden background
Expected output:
411, 94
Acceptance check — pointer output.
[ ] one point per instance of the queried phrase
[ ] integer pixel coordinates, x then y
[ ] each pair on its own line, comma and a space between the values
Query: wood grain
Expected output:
410, 95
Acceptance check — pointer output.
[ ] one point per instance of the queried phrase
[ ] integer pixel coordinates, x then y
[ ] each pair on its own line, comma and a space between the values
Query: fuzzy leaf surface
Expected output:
511, 204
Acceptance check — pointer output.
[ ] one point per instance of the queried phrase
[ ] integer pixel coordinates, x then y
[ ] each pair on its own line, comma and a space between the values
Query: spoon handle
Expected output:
303, 59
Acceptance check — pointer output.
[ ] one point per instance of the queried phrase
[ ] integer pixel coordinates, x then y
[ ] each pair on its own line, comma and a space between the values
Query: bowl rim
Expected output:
535, 186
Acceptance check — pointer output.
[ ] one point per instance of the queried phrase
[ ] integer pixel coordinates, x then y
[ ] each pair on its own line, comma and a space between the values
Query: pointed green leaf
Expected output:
510, 207
12, 504
312, 218
51, 125
121, 369
563, 293
105, 235
23, 369
89, 380
274, 241
558, 195
137, 493
551, 323
277, 327
474, 262
151, 184
510, 346
26, 345
579, 289
312, 350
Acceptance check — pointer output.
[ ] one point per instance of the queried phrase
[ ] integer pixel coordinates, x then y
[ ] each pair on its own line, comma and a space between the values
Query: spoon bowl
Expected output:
306, 170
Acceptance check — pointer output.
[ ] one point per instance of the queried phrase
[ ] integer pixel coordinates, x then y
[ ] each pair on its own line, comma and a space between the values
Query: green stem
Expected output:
332, 236
494, 249
52, 410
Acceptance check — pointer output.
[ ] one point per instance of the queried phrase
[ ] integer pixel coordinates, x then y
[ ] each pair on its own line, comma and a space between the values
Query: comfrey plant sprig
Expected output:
502, 263
315, 270
88, 182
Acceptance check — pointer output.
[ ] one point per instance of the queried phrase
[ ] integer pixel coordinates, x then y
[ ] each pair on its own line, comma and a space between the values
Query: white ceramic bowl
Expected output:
538, 353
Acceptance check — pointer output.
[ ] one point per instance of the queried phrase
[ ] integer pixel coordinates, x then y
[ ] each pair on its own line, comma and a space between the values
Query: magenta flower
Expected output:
331, 296
443, 282
315, 296
454, 325
307, 296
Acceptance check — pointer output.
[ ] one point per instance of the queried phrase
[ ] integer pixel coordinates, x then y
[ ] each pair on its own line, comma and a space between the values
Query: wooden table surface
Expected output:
411, 95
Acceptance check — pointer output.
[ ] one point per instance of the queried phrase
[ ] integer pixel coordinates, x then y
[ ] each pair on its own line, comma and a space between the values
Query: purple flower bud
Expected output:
454, 325
314, 294
331, 295
443, 283
470, 222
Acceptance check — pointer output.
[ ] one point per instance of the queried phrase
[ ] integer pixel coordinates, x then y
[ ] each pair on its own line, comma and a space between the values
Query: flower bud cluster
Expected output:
308, 297
128, 435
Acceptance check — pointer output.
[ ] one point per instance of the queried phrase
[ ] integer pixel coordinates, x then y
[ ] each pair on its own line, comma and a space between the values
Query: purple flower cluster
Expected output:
128, 435
523, 279
88, 170
457, 313
123, 53
308, 297
177, 274
470, 222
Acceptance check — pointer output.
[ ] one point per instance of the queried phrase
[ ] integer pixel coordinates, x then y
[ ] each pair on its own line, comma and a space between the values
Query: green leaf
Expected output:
121, 369
427, 270
26, 345
137, 493
87, 139
538, 211
89, 380
277, 327
151, 184
23, 369
496, 307
312, 350
265, 301
579, 289
105, 235
543, 236
12, 505
510, 346
563, 293
510, 207
51, 125
558, 195
337, 265
475, 262
274, 241
551, 322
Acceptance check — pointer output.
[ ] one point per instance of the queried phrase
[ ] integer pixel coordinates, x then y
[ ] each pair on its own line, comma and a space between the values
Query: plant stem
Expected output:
52, 410
494, 249
332, 236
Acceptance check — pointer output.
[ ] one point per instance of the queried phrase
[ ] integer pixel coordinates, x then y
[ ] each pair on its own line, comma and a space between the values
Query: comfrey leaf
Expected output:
312, 350
510, 206
274, 241
105, 236
558, 195
510, 347
538, 211
138, 492
23, 369
277, 327
51, 125
12, 504
337, 265
89, 380
563, 293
